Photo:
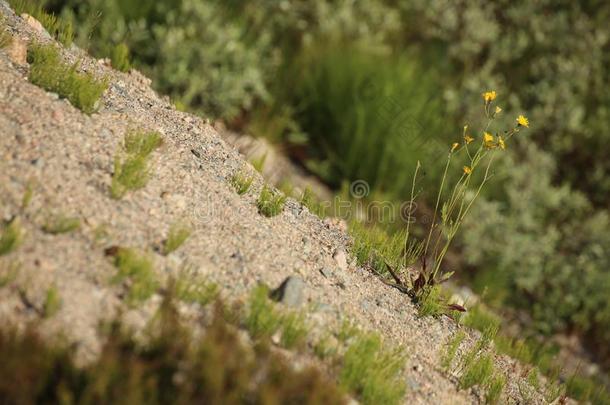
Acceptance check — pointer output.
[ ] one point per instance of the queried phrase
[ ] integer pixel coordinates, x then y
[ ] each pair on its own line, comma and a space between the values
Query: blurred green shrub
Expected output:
544, 248
550, 58
369, 116
170, 367
189, 50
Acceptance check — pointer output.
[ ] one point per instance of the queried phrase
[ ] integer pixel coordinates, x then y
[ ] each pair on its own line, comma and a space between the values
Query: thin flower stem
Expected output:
410, 206
438, 200
460, 219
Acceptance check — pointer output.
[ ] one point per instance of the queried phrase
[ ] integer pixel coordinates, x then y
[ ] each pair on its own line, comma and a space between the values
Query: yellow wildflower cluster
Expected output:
489, 141
489, 96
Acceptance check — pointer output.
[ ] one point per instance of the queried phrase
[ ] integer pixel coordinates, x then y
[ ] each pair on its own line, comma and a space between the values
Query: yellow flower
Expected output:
467, 170
501, 143
468, 138
488, 140
498, 110
454, 146
522, 121
489, 96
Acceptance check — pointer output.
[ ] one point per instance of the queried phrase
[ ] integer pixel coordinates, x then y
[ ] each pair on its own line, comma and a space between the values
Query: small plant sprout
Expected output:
59, 223
241, 182
177, 235
27, 195
47, 70
52, 302
270, 203
131, 165
11, 236
193, 288
136, 270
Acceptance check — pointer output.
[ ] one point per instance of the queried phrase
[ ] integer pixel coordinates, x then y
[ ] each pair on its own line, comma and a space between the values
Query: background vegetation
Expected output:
364, 89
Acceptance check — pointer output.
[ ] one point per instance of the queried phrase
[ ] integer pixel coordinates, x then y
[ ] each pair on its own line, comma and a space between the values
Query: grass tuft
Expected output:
193, 288
259, 163
8, 273
241, 182
5, 38
262, 319
374, 247
11, 237
310, 200
495, 388
58, 28
431, 302
27, 195
324, 347
131, 166
172, 365
451, 349
294, 331
137, 270
270, 203
479, 318
348, 330
60, 223
52, 302
178, 234
142, 143
477, 372
120, 57
372, 372
47, 70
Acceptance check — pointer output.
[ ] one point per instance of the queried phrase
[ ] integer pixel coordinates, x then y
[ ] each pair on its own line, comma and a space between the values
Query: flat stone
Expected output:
290, 292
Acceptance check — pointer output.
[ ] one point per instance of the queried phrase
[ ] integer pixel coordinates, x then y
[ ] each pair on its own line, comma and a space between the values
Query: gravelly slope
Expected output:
67, 158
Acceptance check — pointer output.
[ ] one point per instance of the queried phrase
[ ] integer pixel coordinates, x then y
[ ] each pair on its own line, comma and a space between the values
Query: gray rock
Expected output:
326, 272
341, 259
290, 292
366, 305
